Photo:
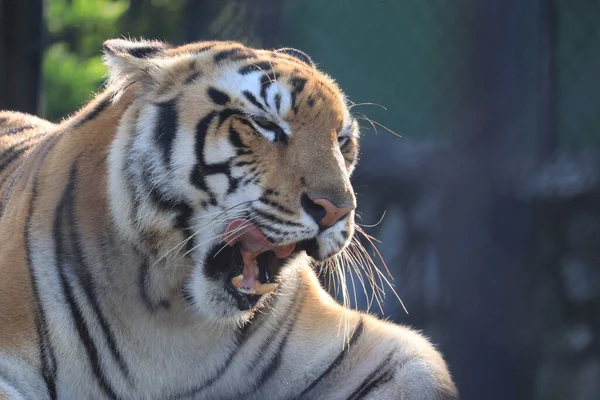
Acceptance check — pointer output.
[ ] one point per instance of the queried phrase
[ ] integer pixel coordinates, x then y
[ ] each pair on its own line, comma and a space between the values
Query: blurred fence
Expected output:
492, 229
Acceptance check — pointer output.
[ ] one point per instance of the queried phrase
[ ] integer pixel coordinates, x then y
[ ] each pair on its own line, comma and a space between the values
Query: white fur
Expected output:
218, 151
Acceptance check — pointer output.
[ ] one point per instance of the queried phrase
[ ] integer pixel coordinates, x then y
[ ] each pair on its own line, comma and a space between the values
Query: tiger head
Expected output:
230, 163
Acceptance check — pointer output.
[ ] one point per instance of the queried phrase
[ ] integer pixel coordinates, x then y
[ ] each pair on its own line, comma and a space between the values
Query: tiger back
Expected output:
159, 243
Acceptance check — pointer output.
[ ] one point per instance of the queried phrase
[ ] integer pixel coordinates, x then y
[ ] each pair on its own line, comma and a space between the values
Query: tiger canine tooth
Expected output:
236, 280
263, 288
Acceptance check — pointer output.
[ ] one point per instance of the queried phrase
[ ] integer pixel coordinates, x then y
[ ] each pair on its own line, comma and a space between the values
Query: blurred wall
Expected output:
492, 226
20, 59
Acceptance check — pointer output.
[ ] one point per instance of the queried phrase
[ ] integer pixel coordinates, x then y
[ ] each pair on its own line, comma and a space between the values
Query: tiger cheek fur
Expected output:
156, 244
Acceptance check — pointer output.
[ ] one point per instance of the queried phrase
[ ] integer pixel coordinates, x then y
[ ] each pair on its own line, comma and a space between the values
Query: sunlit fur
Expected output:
110, 221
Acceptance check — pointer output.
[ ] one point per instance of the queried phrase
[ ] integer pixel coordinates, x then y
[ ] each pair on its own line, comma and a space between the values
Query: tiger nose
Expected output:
324, 212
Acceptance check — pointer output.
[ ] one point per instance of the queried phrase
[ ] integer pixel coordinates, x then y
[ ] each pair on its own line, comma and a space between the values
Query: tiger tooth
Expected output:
263, 288
236, 280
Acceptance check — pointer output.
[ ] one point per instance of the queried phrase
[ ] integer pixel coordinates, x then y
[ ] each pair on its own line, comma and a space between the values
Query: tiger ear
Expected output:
131, 59
300, 55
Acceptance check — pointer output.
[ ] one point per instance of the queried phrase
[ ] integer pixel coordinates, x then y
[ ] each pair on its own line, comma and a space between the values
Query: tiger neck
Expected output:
80, 151
83, 220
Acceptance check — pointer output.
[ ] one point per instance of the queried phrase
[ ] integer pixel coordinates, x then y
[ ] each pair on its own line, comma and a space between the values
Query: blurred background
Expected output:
491, 194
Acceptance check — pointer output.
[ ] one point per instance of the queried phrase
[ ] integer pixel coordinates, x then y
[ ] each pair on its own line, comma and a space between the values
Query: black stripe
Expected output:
370, 387
163, 202
4, 179
278, 102
227, 113
267, 229
234, 184
49, 365
235, 54
166, 128
219, 168
130, 188
275, 360
13, 156
265, 81
15, 145
274, 218
250, 328
243, 152
252, 99
252, 177
235, 138
143, 52
375, 379
218, 97
298, 86
48, 359
263, 66
138, 50
225, 54
62, 258
249, 125
243, 163
196, 176
8, 155
280, 135
86, 280
94, 112
150, 304
297, 55
276, 205
14, 131
242, 337
182, 222
204, 47
167, 204
143, 286
358, 330
193, 76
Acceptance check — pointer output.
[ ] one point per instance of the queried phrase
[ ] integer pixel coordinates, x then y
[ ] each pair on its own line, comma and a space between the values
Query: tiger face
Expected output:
231, 163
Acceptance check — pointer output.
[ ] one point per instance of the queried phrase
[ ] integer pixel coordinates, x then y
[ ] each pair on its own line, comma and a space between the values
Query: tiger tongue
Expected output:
252, 243
252, 240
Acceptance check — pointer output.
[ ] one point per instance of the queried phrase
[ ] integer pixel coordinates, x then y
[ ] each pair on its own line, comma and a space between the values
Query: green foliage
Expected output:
76, 29
72, 64
69, 80
91, 20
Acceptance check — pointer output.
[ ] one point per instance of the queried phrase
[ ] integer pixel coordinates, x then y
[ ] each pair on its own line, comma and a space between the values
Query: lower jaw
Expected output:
245, 302
224, 262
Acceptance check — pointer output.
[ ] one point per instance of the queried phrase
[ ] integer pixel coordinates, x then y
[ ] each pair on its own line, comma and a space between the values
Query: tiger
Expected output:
162, 242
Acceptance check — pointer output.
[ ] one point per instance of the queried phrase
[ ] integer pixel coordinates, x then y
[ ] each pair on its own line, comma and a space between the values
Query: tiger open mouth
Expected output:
254, 262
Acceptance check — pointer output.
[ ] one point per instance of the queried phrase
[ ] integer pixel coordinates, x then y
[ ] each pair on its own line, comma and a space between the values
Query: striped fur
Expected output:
112, 222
